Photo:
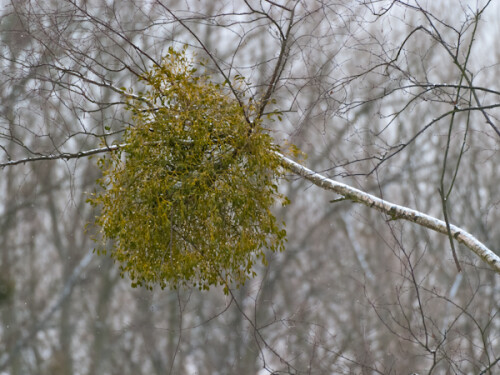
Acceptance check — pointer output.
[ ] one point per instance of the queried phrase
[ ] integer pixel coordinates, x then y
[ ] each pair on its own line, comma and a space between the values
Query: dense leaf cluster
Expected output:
187, 199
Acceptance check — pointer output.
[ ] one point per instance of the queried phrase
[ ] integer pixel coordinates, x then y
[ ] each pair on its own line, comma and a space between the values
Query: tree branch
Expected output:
64, 155
394, 210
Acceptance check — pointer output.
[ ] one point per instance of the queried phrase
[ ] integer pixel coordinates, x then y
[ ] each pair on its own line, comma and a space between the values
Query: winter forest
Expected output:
368, 130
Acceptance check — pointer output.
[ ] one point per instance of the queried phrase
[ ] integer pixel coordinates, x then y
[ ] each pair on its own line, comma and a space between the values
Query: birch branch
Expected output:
394, 211
348, 192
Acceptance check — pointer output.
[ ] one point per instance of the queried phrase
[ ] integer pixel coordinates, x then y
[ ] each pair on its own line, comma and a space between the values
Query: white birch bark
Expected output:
395, 211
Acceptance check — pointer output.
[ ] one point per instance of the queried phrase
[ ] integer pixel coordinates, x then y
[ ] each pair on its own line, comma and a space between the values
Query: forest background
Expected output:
398, 99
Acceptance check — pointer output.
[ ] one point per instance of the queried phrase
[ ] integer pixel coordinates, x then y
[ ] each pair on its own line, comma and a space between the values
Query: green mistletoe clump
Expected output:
187, 198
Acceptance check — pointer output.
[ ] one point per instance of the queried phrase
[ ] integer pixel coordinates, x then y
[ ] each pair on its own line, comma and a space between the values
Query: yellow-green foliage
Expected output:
187, 200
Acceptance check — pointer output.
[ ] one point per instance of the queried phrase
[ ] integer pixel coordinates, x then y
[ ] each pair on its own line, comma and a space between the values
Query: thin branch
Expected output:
64, 155
278, 69
461, 68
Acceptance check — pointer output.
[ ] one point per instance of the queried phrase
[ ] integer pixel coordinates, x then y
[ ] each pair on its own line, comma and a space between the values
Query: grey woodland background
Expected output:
397, 98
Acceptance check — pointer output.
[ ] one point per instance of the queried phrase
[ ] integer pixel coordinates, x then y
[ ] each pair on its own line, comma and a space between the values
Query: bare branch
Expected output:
64, 155
395, 211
